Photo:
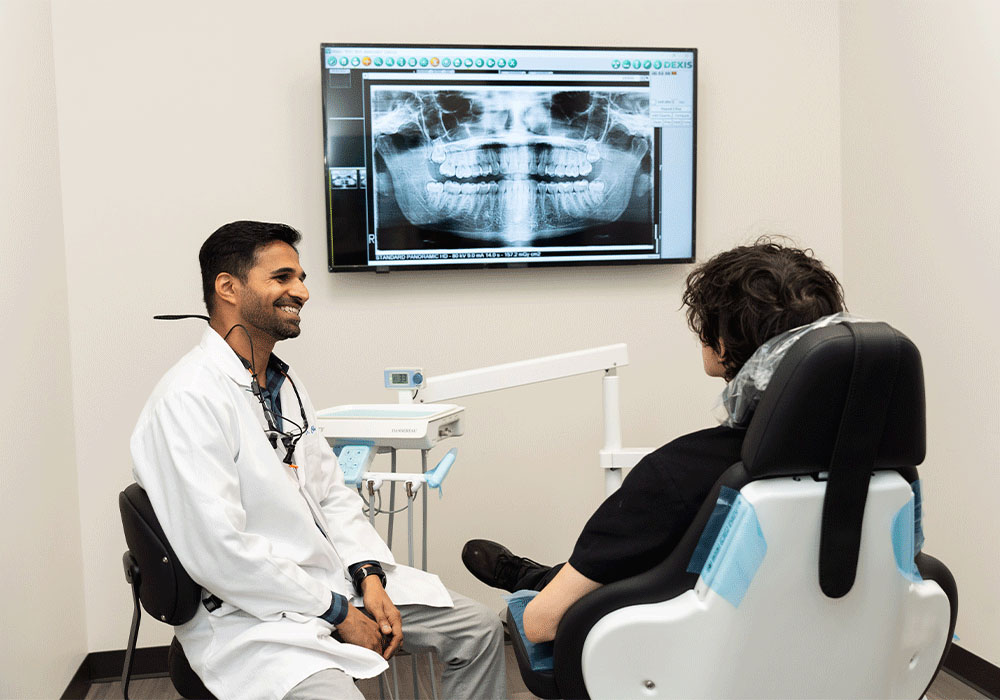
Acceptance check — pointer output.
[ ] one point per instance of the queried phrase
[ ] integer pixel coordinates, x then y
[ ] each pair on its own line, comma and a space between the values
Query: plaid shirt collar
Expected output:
274, 377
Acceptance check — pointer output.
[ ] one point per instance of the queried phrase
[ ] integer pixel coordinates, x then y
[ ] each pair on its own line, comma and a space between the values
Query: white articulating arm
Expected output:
540, 369
607, 358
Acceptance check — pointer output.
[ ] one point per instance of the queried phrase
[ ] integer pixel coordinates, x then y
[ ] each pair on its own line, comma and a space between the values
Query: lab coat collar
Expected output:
224, 357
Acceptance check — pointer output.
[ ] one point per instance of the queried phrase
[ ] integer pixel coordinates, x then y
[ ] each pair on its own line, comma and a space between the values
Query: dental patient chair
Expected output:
161, 584
801, 576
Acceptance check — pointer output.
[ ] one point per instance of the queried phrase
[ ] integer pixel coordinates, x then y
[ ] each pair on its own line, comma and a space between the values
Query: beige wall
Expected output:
875, 119
41, 586
177, 117
921, 201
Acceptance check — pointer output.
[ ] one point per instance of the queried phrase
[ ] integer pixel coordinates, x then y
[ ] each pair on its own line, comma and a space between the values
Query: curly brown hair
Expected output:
749, 294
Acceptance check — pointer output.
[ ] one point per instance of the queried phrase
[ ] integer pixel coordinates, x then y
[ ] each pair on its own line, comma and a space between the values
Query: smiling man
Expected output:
300, 595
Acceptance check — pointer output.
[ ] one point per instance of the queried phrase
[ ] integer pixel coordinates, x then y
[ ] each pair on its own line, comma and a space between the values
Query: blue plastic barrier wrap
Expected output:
731, 547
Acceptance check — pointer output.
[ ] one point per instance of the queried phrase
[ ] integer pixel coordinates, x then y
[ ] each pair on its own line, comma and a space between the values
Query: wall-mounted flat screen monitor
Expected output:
480, 156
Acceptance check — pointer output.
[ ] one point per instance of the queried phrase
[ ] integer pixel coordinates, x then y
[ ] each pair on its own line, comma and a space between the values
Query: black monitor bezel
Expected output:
508, 265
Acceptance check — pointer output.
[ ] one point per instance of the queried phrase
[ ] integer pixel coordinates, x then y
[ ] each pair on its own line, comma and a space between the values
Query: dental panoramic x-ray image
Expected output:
511, 165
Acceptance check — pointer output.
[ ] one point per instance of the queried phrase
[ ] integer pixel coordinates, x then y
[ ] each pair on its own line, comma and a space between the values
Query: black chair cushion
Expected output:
184, 679
794, 429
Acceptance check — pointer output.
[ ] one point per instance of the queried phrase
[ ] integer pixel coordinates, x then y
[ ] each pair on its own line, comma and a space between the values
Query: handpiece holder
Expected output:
373, 481
435, 476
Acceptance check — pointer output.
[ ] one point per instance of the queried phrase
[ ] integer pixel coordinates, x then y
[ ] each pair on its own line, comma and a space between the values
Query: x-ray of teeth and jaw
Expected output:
515, 164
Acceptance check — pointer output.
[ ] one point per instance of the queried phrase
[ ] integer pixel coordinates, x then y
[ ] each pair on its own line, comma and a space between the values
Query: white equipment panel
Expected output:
391, 425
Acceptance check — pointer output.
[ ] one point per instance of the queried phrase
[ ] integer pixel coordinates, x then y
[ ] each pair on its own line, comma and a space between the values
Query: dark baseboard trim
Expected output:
974, 671
102, 666
79, 685
151, 662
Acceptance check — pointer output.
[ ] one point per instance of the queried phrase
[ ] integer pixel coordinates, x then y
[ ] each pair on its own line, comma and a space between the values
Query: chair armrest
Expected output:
933, 570
541, 683
665, 581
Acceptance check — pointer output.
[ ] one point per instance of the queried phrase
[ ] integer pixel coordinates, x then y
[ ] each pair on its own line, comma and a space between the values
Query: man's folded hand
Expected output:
358, 628
378, 604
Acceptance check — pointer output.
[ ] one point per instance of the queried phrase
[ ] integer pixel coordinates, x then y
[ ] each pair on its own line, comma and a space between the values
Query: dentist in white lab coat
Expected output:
271, 531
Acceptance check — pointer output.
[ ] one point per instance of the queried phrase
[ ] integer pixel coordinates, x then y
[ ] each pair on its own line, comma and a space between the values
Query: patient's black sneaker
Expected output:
497, 566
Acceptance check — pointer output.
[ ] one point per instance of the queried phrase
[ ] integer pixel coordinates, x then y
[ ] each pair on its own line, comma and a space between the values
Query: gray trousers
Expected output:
467, 638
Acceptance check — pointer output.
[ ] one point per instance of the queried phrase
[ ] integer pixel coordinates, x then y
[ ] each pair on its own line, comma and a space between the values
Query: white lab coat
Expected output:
244, 525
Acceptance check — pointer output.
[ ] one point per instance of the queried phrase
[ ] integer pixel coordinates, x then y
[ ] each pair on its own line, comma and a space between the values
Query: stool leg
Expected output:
133, 636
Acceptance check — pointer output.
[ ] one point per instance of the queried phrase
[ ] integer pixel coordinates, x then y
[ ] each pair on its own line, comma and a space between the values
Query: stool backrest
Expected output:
166, 590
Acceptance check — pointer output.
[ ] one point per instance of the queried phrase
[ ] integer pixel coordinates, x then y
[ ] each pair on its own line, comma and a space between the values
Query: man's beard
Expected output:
268, 318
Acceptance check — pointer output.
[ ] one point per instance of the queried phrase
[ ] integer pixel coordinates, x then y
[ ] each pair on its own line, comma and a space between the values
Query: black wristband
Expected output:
363, 572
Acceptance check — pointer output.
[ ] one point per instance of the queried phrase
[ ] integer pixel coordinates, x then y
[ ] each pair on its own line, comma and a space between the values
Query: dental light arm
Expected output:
607, 358
512, 374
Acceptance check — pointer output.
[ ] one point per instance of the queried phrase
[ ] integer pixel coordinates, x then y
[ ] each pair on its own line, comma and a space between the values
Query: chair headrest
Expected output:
166, 590
794, 429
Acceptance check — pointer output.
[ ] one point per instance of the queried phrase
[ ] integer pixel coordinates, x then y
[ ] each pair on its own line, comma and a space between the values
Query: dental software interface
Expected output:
452, 155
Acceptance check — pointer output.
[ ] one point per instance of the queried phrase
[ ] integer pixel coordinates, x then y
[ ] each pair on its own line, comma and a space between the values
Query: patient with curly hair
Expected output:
735, 302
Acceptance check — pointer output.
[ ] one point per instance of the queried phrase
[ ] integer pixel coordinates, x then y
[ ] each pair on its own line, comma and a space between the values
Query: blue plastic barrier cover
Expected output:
540, 655
738, 401
731, 547
905, 534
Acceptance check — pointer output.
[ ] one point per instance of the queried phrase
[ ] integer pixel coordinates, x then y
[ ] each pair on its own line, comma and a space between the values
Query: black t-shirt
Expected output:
641, 523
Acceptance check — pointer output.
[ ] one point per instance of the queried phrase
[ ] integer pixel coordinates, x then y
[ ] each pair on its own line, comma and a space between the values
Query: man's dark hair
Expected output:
749, 294
233, 249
